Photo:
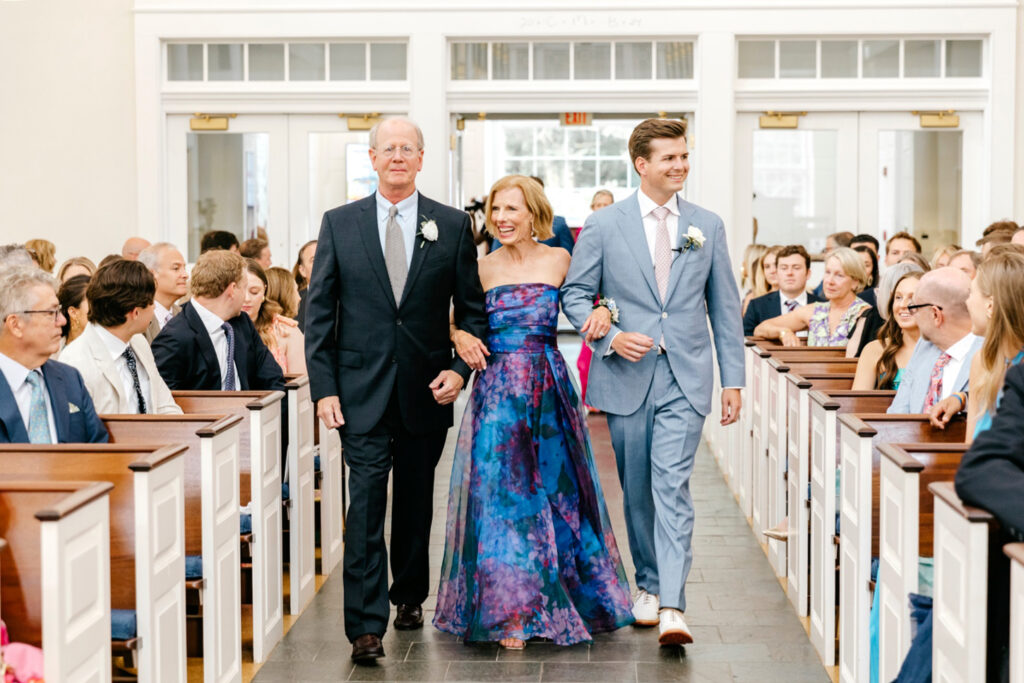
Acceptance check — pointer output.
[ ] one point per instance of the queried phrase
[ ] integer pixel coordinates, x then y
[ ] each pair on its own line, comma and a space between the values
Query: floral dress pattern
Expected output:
817, 328
529, 549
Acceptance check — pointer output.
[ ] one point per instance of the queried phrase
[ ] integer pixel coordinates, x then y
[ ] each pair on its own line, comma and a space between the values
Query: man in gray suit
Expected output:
941, 362
666, 264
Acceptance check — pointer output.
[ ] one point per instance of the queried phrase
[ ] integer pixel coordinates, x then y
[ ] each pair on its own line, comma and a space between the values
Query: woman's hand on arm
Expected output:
470, 349
597, 324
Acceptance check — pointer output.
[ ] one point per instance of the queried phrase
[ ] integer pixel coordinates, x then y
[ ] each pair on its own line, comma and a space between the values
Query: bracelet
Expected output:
962, 397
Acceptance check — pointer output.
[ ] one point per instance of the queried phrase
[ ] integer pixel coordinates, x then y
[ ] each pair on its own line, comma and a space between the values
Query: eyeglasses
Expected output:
54, 313
406, 151
914, 307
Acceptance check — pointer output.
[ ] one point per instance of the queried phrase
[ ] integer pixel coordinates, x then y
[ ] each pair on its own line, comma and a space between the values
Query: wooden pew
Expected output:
861, 435
302, 485
55, 574
147, 552
962, 542
211, 488
825, 409
1015, 551
798, 478
905, 533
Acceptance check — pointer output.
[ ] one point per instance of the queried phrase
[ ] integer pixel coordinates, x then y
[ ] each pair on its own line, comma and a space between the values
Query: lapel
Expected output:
420, 246
207, 355
10, 416
104, 362
371, 242
58, 402
678, 263
631, 226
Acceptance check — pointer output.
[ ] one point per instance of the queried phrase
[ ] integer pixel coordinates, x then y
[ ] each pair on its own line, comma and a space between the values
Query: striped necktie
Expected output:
229, 372
790, 305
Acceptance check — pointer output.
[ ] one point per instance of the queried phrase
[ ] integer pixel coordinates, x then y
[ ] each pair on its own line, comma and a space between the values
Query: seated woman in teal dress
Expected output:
529, 550
881, 364
831, 322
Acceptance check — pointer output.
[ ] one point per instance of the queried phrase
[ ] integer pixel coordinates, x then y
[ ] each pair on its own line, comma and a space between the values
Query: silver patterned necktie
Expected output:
394, 254
38, 418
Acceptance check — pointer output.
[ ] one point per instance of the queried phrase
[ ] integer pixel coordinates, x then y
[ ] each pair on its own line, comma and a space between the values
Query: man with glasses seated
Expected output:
941, 362
41, 400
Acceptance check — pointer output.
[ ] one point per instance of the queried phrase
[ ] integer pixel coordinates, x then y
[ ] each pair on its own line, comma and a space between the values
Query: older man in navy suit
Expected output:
41, 400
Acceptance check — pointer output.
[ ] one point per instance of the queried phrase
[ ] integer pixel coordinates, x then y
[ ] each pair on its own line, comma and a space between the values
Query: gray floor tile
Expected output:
603, 672
401, 671
689, 671
493, 671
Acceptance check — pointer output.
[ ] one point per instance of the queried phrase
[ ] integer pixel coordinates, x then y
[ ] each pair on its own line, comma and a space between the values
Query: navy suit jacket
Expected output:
185, 357
766, 307
73, 411
563, 236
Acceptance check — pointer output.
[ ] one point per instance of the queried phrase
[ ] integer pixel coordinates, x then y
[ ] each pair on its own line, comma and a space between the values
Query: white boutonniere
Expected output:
694, 238
72, 408
609, 303
428, 231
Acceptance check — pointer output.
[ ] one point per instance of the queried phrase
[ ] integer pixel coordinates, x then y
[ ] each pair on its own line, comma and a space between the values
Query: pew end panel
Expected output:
1015, 551
301, 477
332, 498
776, 461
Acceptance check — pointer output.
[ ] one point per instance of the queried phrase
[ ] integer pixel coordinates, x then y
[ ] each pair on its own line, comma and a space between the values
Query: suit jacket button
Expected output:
398, 322
394, 359
664, 315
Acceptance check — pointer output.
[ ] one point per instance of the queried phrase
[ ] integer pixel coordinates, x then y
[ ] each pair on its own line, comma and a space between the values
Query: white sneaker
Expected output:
672, 628
645, 609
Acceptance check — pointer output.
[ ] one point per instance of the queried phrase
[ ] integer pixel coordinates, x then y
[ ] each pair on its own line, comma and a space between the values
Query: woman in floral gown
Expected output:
529, 550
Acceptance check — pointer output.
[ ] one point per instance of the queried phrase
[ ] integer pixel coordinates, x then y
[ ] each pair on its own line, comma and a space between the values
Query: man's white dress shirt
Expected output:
15, 373
212, 322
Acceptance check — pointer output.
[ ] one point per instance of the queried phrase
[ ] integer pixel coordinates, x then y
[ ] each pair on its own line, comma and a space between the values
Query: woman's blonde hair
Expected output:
269, 309
761, 286
82, 261
1000, 276
751, 260
45, 252
281, 290
943, 250
852, 264
536, 204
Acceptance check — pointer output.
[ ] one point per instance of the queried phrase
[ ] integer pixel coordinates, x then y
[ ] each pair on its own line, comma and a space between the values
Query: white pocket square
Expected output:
72, 408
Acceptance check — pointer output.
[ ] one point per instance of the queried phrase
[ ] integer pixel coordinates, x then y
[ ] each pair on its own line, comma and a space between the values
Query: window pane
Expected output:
388, 62
593, 60
839, 59
963, 58
584, 173
469, 61
633, 60
675, 60
184, 62
518, 142
522, 167
550, 61
510, 61
582, 142
797, 58
881, 58
348, 61
920, 58
613, 140
613, 173
225, 62
550, 141
757, 59
266, 62
306, 62
552, 172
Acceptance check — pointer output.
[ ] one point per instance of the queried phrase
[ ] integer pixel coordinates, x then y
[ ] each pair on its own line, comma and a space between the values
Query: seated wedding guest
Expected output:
831, 322
838, 239
302, 271
872, 319
793, 265
167, 265
942, 255
113, 357
966, 261
941, 362
132, 246
917, 259
898, 245
861, 240
258, 250
210, 345
218, 239
44, 252
765, 276
884, 359
41, 400
14, 256
751, 256
278, 331
108, 259
76, 265
870, 261
73, 307
1003, 236
563, 235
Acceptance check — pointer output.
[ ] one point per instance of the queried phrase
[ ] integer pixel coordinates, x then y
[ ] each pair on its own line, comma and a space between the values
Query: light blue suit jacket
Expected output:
612, 257
917, 376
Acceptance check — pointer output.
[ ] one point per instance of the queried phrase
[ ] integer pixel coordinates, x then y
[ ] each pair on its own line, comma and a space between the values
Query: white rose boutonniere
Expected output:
694, 238
428, 231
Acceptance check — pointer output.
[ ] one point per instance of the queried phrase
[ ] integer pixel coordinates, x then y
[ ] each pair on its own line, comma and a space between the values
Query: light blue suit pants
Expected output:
654, 451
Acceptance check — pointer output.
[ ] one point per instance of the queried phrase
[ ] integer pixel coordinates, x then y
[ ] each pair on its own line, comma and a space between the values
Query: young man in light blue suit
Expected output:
666, 264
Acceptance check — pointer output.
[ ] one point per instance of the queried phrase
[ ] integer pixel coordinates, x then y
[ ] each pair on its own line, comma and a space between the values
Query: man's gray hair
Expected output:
150, 256
16, 285
401, 119
890, 277
15, 255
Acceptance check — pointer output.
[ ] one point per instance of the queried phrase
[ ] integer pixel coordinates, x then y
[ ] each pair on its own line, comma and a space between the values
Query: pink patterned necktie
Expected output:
935, 384
662, 251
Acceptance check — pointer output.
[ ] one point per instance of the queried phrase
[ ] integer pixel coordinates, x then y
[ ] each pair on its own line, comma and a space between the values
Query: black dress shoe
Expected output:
409, 617
367, 649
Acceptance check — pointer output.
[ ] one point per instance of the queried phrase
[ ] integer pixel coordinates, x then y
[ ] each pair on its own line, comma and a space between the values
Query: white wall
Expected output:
67, 125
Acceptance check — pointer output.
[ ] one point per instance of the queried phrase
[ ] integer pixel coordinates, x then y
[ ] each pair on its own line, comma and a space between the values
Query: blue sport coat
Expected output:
73, 411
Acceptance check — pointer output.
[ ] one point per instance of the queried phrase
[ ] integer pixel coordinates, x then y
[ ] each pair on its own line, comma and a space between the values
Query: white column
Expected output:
1003, 124
716, 131
427, 83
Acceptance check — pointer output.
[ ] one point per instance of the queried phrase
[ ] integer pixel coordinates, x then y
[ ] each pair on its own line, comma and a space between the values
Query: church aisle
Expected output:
743, 625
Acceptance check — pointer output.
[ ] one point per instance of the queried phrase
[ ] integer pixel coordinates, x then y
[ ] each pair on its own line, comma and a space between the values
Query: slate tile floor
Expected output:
743, 625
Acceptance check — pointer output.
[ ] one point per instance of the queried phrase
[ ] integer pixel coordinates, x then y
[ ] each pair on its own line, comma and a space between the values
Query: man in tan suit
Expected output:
116, 363
168, 267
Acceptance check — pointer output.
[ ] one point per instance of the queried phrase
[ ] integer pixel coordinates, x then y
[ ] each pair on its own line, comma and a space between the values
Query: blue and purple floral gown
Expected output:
529, 550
